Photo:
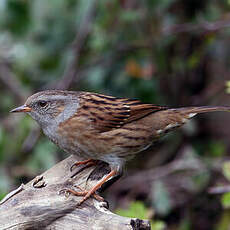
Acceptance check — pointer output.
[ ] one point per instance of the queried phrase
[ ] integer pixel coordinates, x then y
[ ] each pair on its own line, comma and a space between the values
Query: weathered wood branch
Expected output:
40, 205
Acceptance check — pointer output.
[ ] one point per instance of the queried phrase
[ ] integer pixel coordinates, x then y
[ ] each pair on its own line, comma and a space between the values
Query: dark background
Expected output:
167, 52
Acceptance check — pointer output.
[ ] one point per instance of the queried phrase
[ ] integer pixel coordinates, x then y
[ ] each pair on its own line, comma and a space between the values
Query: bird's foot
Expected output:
84, 193
92, 191
88, 163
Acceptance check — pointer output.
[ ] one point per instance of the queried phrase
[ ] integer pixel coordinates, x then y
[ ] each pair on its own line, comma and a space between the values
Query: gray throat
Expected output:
50, 129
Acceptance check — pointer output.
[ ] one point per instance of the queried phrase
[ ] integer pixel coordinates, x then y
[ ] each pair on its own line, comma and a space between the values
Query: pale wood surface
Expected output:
39, 204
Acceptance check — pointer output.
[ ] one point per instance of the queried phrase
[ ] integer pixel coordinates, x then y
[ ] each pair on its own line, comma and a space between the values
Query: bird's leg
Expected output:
92, 191
88, 163
82, 193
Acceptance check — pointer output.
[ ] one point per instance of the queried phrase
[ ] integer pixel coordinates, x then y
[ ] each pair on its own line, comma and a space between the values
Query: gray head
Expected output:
47, 107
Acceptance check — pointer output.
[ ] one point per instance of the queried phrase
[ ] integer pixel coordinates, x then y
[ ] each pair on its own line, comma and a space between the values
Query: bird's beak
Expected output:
23, 108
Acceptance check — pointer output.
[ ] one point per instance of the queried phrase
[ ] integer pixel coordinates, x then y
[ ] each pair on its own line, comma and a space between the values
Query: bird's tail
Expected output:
192, 111
170, 119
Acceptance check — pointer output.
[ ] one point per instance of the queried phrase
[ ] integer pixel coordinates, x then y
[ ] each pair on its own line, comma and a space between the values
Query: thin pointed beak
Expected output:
23, 108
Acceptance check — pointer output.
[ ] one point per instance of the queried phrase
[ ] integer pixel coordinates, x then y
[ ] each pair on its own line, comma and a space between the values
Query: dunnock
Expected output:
98, 127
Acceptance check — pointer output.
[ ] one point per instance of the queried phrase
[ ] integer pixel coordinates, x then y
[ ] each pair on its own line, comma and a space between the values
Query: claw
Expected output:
72, 167
78, 187
82, 192
64, 191
92, 191
88, 163
71, 191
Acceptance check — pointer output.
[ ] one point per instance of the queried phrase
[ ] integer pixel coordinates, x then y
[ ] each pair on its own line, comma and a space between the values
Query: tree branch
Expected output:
10, 81
72, 70
40, 204
204, 26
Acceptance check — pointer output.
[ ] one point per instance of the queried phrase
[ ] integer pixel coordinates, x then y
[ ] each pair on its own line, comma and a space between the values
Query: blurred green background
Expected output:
168, 52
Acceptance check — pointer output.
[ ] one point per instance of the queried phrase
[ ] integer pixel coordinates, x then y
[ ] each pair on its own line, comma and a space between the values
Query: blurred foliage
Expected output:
226, 200
138, 210
169, 52
161, 199
228, 86
226, 170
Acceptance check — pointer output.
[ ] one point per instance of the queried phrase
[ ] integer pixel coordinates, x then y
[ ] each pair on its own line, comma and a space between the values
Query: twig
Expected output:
11, 82
71, 73
219, 189
200, 27
12, 193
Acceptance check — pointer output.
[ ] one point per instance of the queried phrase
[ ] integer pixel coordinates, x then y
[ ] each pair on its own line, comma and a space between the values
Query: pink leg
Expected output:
92, 191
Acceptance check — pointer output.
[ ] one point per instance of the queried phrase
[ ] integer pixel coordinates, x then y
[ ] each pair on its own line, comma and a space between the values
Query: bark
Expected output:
42, 204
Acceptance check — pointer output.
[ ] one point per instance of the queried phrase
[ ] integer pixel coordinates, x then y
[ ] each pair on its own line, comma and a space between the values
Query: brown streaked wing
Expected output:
139, 110
108, 112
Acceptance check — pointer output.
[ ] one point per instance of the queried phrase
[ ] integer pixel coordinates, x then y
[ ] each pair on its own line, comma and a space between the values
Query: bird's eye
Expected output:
42, 103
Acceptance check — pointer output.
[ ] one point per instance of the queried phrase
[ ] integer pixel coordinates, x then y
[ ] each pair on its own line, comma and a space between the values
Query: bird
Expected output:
97, 127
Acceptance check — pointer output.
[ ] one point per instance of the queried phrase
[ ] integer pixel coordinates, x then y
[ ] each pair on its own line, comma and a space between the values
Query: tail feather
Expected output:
174, 118
202, 109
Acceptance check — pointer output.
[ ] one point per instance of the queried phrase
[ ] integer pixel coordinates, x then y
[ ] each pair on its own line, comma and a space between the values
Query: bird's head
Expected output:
50, 105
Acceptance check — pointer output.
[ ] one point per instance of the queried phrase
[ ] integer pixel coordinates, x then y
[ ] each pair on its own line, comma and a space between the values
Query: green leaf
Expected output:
225, 200
227, 86
136, 209
158, 225
216, 148
226, 169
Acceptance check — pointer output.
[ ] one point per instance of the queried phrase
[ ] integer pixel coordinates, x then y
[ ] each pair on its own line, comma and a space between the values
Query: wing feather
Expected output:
109, 113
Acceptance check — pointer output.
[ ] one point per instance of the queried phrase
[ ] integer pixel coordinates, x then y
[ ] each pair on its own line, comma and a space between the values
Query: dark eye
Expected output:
42, 103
